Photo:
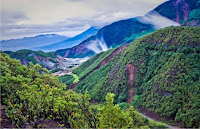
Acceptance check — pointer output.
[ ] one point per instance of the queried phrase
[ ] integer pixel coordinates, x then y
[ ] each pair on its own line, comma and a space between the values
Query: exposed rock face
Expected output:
47, 62
181, 7
51, 60
178, 10
77, 50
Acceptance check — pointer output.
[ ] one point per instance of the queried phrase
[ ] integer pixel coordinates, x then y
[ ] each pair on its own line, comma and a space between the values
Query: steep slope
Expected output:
170, 13
194, 18
69, 42
162, 68
180, 11
116, 34
31, 42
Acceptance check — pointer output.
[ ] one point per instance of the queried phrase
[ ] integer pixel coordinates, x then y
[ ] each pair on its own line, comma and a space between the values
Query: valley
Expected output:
117, 69
130, 71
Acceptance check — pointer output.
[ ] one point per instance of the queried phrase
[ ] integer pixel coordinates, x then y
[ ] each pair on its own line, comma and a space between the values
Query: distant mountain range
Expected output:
170, 13
68, 43
31, 42
47, 43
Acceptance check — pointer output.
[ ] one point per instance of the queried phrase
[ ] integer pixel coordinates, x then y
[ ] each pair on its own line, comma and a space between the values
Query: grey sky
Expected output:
23, 18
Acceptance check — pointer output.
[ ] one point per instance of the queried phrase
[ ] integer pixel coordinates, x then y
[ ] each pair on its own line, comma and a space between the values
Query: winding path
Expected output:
170, 126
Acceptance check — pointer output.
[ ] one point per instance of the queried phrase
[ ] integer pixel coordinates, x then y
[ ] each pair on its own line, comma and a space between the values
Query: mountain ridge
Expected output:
162, 60
29, 42
71, 41
173, 10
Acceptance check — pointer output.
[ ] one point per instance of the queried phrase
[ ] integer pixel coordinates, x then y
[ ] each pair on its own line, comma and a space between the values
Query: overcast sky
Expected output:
24, 18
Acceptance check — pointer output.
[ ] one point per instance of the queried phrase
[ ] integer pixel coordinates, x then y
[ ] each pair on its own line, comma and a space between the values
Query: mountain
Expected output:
69, 42
170, 13
158, 72
185, 12
116, 34
30, 42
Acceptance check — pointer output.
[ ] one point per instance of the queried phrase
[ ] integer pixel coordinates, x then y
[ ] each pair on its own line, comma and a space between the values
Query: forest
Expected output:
32, 97
167, 64
167, 72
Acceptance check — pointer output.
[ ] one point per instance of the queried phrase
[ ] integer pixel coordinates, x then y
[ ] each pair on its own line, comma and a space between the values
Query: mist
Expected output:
157, 20
97, 46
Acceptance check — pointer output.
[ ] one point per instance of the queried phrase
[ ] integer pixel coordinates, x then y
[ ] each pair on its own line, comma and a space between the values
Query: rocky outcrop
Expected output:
178, 10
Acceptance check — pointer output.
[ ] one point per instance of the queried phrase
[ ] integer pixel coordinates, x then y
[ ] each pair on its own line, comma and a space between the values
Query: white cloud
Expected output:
97, 46
157, 20
67, 13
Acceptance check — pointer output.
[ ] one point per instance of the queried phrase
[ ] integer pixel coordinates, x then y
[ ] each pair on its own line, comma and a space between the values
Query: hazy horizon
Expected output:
28, 18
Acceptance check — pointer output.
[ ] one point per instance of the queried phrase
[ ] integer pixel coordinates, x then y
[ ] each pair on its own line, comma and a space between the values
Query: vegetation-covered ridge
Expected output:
33, 98
48, 60
167, 64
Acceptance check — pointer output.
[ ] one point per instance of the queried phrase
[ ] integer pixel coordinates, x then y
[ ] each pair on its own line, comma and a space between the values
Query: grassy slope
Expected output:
76, 78
69, 79
89, 65
167, 63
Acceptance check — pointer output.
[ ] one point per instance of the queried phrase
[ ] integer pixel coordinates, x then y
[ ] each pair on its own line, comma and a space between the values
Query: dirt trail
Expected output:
170, 126
131, 70
155, 117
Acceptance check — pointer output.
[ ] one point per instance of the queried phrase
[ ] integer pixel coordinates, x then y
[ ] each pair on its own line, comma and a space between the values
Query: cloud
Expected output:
11, 17
97, 46
157, 20
19, 31
31, 17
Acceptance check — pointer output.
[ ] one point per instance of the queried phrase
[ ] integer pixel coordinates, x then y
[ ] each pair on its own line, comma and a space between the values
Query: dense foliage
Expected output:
69, 79
32, 95
25, 52
167, 64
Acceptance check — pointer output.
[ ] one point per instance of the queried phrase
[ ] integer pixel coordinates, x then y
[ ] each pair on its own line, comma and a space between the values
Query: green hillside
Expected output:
167, 65
25, 52
89, 65
32, 98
